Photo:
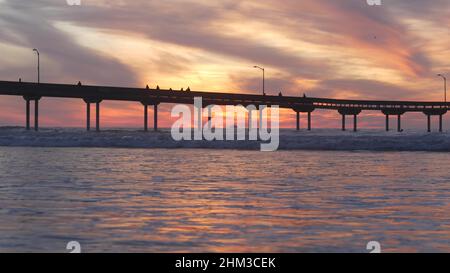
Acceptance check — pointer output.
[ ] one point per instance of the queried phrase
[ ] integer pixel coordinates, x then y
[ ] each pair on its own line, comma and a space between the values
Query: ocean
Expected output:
112, 197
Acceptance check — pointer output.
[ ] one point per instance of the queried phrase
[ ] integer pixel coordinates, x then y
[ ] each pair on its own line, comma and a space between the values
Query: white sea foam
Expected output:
318, 139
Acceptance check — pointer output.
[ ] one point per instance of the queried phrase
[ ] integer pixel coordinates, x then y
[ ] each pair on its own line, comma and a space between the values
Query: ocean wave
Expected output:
318, 139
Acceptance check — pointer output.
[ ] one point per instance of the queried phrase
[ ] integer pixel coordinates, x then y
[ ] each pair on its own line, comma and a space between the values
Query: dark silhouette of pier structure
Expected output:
33, 92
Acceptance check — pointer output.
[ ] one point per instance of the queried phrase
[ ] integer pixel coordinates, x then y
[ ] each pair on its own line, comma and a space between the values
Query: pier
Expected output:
95, 95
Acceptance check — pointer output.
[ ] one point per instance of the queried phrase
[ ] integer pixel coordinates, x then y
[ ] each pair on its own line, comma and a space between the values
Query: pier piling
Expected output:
344, 112
309, 121
261, 109
308, 109
249, 119
155, 117
435, 112
88, 116
36, 115
145, 118
209, 114
27, 114
88, 102
387, 123
28, 99
394, 112
97, 116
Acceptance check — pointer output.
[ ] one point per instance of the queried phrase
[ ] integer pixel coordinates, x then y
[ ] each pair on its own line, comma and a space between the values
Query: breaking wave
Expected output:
318, 139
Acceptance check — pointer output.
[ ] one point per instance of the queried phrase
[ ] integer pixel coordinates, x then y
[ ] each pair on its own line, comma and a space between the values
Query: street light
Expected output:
38, 66
445, 86
263, 71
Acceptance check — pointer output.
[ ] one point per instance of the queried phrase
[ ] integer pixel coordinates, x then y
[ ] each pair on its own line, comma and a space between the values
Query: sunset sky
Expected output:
324, 48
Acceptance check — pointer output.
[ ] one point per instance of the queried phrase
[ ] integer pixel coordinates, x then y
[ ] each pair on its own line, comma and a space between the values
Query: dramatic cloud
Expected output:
27, 25
344, 49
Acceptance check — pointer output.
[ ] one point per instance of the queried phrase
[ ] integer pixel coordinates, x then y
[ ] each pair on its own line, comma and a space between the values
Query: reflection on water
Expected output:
133, 200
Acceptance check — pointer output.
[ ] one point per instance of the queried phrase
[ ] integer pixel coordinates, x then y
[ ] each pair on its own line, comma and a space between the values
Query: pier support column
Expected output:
394, 112
155, 117
209, 117
435, 112
261, 109
88, 102
97, 116
343, 123
309, 121
88, 116
308, 109
27, 114
209, 114
145, 118
249, 120
28, 100
387, 123
36, 115
348, 111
